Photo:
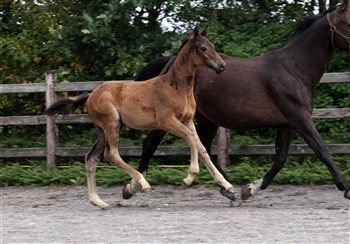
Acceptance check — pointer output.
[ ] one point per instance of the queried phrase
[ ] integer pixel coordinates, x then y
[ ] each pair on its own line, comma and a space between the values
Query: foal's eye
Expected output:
203, 49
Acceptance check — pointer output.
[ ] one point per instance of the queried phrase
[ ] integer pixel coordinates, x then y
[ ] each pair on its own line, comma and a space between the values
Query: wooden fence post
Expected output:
223, 145
51, 127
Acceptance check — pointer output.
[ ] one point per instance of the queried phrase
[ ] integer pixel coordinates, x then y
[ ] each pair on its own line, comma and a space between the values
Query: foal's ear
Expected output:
196, 31
205, 32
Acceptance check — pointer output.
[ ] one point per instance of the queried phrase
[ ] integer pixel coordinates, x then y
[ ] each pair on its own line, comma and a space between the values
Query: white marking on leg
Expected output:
95, 200
145, 186
194, 166
255, 187
218, 177
91, 183
192, 172
134, 187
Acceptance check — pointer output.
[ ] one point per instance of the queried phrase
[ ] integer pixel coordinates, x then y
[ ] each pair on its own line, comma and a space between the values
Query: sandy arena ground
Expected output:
169, 214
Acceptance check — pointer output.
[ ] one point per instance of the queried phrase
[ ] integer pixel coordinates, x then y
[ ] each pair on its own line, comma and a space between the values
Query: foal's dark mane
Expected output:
307, 21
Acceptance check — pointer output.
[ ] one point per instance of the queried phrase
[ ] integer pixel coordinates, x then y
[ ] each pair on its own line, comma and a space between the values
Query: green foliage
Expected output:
166, 175
38, 175
110, 175
298, 170
102, 40
22, 136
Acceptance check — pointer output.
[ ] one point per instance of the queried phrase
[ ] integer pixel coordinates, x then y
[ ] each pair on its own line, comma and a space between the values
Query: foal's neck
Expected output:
183, 70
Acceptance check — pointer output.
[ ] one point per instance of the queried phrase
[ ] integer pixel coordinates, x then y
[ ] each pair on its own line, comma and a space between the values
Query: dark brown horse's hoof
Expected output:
347, 195
229, 194
126, 193
246, 192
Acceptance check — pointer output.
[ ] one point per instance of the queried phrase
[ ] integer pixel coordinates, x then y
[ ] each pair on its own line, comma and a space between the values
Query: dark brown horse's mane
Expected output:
156, 66
307, 21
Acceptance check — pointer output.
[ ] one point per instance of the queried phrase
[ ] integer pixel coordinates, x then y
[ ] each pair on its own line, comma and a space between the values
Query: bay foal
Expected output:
165, 102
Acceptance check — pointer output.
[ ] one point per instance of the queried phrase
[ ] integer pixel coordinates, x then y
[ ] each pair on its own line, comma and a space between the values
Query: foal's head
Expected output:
339, 20
203, 51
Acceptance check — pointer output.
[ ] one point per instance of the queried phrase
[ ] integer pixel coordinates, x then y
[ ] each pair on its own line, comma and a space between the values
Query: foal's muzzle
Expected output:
221, 68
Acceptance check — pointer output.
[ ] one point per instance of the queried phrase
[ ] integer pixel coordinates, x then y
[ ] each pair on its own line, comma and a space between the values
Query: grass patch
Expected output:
298, 170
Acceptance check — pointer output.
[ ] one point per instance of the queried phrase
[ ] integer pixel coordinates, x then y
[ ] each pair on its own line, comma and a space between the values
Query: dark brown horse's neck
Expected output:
182, 72
311, 51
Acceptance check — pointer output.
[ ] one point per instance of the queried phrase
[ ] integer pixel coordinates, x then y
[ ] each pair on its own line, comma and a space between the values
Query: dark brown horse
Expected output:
272, 90
165, 102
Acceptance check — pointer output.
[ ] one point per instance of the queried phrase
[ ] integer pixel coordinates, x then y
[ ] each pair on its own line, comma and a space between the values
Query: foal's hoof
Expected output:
102, 205
126, 192
230, 193
105, 207
147, 190
347, 195
184, 185
246, 192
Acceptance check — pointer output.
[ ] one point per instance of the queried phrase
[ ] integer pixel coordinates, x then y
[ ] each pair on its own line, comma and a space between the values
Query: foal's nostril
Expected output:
222, 67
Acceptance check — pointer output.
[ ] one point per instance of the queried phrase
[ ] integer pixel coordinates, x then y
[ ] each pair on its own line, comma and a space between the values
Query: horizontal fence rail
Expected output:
50, 88
299, 149
90, 85
323, 113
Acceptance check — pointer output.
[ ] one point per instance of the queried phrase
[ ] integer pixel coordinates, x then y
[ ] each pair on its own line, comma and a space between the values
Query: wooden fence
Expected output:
50, 87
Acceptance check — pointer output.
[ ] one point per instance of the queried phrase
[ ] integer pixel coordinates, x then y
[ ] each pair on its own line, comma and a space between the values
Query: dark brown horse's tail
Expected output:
67, 105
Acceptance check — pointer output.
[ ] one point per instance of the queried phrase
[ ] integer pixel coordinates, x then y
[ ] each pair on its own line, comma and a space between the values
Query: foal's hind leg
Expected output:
92, 158
283, 141
112, 155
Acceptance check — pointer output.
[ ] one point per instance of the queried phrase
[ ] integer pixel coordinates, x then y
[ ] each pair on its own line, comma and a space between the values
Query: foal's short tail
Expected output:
67, 105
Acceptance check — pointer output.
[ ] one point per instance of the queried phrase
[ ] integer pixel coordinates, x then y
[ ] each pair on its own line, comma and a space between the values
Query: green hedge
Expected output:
298, 170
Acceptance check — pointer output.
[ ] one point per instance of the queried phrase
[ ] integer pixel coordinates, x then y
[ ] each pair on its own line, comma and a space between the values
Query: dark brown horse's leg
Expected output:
206, 131
283, 141
149, 146
307, 130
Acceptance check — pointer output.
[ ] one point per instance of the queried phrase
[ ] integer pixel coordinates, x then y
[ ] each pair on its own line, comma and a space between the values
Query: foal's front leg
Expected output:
228, 190
193, 170
190, 135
